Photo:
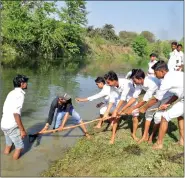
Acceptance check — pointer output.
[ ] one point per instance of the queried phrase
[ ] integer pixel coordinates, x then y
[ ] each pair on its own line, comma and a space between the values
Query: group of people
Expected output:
162, 102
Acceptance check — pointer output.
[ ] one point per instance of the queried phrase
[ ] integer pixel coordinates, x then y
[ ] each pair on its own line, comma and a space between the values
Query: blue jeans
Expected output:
60, 115
13, 136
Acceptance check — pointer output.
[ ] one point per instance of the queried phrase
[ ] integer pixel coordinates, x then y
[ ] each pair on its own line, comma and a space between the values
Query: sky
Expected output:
163, 18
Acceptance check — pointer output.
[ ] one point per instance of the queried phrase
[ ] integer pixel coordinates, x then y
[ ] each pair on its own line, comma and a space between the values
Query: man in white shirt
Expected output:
11, 123
175, 59
121, 91
150, 85
180, 64
104, 93
151, 63
172, 82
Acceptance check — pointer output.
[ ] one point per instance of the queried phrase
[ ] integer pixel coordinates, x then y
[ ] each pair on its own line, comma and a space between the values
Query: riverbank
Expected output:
96, 157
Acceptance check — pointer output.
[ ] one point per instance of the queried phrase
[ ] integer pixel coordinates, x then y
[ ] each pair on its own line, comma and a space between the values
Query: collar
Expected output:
20, 90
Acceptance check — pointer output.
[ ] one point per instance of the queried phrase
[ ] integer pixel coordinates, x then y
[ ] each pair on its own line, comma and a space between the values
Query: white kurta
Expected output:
172, 82
150, 70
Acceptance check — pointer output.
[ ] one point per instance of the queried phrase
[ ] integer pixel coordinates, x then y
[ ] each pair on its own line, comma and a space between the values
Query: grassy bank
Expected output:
96, 157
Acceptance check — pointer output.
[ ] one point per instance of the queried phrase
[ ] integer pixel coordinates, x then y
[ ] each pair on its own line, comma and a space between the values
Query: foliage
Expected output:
149, 36
127, 37
139, 46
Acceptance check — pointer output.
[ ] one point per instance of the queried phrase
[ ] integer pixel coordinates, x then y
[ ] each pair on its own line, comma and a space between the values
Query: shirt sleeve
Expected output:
137, 91
125, 91
113, 96
104, 92
152, 88
164, 88
18, 105
52, 111
172, 63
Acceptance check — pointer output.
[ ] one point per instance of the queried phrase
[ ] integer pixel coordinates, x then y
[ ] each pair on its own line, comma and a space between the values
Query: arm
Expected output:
106, 114
129, 103
64, 121
17, 115
150, 103
81, 99
20, 125
170, 101
52, 111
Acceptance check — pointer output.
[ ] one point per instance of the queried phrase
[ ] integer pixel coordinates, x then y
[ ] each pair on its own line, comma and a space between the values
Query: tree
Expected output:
139, 46
108, 32
149, 36
127, 37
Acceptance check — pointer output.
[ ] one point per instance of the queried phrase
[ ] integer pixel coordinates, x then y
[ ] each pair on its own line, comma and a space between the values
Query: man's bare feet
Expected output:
181, 143
157, 146
7, 150
150, 140
111, 142
143, 139
88, 136
134, 137
97, 126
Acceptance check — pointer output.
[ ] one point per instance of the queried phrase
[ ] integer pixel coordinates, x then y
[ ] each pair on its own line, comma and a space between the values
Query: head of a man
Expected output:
160, 69
153, 57
20, 81
64, 98
100, 82
174, 45
138, 76
179, 47
111, 78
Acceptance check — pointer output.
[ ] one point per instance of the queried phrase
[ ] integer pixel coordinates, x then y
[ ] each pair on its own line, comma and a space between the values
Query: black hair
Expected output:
160, 65
174, 43
153, 55
111, 75
19, 79
99, 80
179, 45
137, 73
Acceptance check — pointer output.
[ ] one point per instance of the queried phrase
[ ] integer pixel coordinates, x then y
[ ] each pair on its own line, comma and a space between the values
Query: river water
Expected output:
42, 89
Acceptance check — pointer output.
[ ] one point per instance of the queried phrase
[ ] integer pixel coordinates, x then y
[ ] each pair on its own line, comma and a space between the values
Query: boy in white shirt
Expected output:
150, 85
11, 123
175, 59
172, 82
104, 93
151, 63
121, 91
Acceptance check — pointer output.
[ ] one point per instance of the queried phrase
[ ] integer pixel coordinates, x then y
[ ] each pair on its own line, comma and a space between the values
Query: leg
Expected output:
8, 143
181, 130
59, 117
145, 134
78, 120
162, 131
176, 111
135, 126
102, 111
114, 128
155, 128
18, 142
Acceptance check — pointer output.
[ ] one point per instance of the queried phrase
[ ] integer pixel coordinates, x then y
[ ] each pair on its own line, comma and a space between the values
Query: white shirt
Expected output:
13, 104
172, 82
128, 74
105, 92
150, 70
175, 60
123, 92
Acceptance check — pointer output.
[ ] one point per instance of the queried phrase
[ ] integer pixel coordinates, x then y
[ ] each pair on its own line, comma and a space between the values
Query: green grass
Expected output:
96, 157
